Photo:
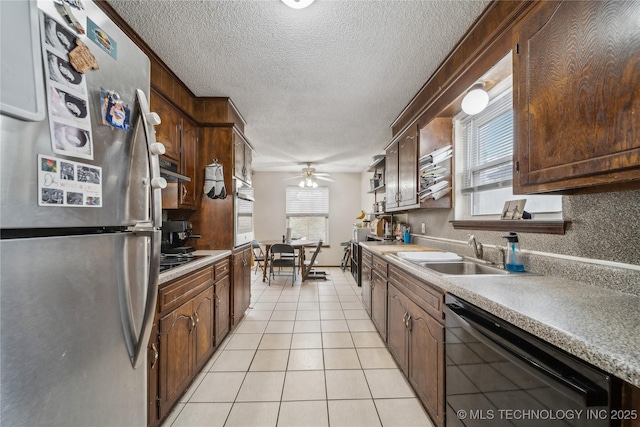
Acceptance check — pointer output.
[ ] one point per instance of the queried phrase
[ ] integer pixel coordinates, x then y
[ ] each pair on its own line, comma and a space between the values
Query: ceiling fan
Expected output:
309, 177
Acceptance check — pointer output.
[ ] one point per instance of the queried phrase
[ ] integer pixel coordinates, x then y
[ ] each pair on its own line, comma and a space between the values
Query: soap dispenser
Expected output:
513, 259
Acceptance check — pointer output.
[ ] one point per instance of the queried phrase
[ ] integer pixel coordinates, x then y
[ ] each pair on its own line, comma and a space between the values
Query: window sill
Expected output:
523, 226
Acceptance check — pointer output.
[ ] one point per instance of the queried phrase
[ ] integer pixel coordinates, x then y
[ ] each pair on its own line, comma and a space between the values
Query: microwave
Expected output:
243, 214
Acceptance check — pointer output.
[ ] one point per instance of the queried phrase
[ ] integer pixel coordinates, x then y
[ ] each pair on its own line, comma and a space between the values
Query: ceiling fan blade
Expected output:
321, 174
293, 177
325, 178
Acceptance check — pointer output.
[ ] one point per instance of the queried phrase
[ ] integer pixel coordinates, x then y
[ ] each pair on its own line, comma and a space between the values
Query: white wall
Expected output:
345, 199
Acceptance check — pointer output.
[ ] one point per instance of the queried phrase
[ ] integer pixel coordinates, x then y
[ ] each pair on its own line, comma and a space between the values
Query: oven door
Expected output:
243, 214
499, 375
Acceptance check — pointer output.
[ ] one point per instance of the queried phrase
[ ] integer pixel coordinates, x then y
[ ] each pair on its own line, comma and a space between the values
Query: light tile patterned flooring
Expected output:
305, 355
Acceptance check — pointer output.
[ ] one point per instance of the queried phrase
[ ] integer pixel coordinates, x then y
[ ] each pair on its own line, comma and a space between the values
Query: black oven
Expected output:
500, 375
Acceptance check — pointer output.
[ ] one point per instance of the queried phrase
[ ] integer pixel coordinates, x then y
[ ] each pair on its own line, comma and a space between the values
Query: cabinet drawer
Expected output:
380, 266
424, 295
221, 269
367, 258
183, 289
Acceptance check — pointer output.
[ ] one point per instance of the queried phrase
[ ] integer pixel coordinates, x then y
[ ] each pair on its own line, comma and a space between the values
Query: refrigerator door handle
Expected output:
156, 182
137, 342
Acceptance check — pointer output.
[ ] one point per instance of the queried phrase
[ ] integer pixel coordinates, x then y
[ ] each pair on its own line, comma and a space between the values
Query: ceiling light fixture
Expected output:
297, 4
309, 182
475, 100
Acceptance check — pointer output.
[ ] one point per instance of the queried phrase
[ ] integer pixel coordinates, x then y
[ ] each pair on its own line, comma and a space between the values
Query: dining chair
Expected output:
258, 255
280, 255
309, 271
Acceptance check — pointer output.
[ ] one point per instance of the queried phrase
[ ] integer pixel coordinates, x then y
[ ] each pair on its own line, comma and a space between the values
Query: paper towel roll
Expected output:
288, 236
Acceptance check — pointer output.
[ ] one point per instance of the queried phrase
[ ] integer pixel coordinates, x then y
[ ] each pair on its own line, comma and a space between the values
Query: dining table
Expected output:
298, 244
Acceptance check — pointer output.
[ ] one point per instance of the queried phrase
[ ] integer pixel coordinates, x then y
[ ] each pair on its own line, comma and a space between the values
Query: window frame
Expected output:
464, 200
291, 211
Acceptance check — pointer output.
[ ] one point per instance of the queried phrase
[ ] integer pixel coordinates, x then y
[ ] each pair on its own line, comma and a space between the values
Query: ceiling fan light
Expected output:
301, 184
297, 4
475, 100
314, 185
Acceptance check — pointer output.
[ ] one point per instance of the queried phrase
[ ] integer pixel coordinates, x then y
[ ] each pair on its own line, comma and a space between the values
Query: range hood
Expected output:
169, 171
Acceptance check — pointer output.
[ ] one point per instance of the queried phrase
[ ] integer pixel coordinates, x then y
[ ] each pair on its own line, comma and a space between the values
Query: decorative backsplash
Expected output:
601, 246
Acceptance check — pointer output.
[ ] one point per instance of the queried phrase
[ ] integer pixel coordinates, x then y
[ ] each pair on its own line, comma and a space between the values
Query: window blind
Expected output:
307, 201
487, 144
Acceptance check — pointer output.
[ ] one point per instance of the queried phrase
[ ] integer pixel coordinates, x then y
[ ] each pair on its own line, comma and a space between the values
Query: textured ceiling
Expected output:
319, 85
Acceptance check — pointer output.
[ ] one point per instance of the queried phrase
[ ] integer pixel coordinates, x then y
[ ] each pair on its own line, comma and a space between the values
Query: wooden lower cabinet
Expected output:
153, 356
416, 340
186, 342
426, 363
222, 303
379, 303
397, 336
182, 339
365, 280
241, 260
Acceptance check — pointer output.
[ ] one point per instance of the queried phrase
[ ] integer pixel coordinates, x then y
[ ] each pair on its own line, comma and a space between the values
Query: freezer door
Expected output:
68, 305
122, 155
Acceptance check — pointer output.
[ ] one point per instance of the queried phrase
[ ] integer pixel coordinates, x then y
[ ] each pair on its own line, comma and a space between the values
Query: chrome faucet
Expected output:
502, 257
477, 246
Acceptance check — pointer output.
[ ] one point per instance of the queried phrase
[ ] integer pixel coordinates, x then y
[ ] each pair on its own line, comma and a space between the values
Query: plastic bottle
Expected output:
513, 260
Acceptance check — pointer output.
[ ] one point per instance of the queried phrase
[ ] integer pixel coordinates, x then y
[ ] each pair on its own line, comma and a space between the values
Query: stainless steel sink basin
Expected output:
463, 268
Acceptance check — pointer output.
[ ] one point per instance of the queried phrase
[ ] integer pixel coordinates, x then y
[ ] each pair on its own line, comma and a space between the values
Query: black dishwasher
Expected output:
499, 375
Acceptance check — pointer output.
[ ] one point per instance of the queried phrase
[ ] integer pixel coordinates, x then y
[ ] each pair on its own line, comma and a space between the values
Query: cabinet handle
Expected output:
409, 323
155, 355
197, 319
217, 301
404, 319
192, 324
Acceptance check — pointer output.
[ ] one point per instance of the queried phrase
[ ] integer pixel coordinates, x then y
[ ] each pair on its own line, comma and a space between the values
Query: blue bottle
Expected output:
513, 260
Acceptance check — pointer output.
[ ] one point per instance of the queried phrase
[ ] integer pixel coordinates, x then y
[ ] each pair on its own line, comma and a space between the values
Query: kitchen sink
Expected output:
463, 268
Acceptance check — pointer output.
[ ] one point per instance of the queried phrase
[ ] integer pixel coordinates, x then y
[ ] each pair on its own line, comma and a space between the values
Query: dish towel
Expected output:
214, 181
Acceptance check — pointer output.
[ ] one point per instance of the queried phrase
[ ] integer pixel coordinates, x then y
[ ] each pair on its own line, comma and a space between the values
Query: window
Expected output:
307, 212
484, 147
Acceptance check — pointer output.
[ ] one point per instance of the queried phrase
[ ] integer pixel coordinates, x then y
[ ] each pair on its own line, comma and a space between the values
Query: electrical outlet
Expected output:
423, 228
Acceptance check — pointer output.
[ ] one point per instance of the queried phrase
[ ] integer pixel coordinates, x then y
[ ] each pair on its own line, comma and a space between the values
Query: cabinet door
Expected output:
391, 179
241, 284
365, 281
577, 99
408, 169
203, 332
426, 360
222, 309
176, 355
248, 162
153, 357
238, 156
246, 301
397, 333
188, 157
167, 132
379, 303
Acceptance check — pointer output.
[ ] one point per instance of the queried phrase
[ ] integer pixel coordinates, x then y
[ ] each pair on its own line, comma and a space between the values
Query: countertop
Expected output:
597, 325
208, 258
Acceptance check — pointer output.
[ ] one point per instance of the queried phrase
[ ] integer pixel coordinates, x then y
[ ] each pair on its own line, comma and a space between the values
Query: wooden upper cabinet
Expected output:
188, 196
408, 168
391, 178
168, 131
577, 96
402, 171
242, 158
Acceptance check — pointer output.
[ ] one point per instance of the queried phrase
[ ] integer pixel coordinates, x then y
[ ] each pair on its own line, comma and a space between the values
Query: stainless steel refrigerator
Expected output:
80, 217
